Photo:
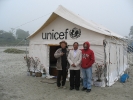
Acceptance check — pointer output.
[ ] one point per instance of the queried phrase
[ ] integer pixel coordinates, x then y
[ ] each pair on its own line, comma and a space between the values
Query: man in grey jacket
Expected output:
74, 59
62, 64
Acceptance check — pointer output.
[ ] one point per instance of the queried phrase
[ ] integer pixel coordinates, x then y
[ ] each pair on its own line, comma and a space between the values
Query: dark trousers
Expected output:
61, 77
74, 78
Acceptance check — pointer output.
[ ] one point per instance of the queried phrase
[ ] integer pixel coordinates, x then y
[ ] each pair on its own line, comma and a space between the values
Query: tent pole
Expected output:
109, 63
117, 59
123, 57
105, 65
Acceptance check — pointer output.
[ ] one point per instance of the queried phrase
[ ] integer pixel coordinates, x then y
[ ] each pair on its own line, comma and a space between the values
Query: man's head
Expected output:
63, 44
75, 45
86, 45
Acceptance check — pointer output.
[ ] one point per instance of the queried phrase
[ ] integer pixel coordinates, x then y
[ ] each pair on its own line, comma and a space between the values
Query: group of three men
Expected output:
75, 59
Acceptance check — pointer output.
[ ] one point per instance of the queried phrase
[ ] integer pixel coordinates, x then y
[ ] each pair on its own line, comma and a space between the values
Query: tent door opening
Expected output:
53, 60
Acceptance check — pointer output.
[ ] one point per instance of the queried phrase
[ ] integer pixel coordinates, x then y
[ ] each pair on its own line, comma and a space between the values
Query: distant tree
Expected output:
1, 31
6, 36
21, 34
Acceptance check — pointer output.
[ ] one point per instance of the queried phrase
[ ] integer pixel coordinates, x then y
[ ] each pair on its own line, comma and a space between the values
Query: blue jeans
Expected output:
87, 76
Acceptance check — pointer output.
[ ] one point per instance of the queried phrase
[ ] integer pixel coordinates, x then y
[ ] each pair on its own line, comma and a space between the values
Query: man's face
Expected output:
63, 45
75, 46
85, 46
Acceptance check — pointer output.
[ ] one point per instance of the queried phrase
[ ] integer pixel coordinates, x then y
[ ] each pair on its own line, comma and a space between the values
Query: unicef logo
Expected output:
75, 33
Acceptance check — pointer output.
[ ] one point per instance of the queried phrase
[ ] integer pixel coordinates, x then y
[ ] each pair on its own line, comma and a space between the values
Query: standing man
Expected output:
87, 60
62, 64
74, 59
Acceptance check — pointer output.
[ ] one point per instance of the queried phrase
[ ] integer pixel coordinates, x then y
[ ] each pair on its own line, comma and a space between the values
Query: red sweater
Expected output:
87, 57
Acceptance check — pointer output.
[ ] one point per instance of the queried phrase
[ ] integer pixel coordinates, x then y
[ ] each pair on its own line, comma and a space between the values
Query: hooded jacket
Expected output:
87, 57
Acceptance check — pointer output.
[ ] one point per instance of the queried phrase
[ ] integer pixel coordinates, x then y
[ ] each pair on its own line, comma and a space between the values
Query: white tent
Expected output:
108, 47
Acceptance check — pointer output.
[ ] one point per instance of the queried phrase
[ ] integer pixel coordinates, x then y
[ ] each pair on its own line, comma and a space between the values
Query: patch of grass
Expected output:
13, 50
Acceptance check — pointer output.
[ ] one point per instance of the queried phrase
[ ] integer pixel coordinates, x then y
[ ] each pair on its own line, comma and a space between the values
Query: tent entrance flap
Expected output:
52, 60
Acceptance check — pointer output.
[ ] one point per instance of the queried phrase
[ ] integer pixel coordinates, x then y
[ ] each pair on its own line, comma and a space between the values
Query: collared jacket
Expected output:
75, 59
57, 55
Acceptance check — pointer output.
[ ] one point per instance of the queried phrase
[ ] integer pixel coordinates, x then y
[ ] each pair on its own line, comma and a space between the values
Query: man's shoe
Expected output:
88, 90
59, 87
84, 88
71, 88
63, 87
77, 89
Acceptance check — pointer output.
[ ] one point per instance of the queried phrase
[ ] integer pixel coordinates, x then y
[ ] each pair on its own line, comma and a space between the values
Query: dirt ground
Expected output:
16, 85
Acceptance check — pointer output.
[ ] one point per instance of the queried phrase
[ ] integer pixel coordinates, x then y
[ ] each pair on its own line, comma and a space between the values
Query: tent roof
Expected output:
76, 19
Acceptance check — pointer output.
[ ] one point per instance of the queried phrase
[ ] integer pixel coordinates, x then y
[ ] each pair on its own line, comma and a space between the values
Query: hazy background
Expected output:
116, 15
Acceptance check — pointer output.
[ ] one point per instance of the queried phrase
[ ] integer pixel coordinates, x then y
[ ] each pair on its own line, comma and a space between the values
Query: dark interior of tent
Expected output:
53, 60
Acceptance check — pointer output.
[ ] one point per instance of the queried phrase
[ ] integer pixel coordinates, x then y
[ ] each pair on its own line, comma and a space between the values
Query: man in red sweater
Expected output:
87, 60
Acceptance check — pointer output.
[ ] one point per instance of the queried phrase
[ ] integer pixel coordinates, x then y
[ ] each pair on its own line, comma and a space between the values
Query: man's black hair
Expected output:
76, 43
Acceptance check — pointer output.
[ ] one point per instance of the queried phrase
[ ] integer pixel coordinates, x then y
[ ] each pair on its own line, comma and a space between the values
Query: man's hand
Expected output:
62, 54
73, 65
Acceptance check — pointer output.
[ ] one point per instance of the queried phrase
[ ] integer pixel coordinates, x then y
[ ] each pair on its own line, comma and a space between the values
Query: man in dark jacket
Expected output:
87, 60
62, 64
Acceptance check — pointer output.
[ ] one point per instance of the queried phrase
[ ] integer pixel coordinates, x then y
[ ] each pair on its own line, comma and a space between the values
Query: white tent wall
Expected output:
40, 51
121, 60
99, 57
112, 66
116, 60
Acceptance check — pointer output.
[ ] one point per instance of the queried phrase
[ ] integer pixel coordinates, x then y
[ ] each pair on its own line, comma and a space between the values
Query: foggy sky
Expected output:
116, 15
